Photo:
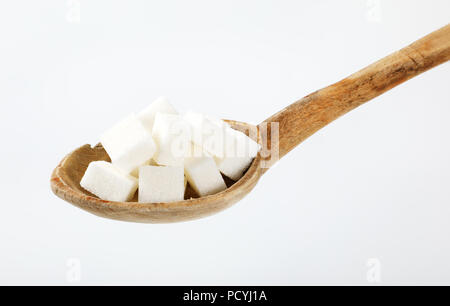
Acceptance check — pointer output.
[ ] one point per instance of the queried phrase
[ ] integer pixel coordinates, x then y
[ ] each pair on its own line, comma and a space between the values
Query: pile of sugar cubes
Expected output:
159, 151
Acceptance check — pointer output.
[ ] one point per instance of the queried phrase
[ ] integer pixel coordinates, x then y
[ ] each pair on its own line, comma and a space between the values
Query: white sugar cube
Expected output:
232, 150
128, 144
233, 167
207, 133
203, 175
108, 182
173, 138
160, 105
161, 184
135, 172
240, 150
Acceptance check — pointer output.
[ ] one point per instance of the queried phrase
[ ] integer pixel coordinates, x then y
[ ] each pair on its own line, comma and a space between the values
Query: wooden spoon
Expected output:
296, 123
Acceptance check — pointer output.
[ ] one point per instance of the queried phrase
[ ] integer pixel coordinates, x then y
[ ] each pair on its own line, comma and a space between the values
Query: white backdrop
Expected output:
364, 201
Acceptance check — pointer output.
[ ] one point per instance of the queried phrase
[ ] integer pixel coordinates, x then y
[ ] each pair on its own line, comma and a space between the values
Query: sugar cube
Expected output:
240, 150
207, 133
108, 182
135, 172
233, 167
203, 175
160, 105
128, 144
161, 184
173, 138
232, 150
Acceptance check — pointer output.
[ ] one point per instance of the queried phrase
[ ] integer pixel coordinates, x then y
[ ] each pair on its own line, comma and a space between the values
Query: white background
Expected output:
372, 185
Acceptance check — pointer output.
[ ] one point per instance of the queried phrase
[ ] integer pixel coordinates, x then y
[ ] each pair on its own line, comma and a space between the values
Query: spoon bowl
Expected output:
291, 125
65, 183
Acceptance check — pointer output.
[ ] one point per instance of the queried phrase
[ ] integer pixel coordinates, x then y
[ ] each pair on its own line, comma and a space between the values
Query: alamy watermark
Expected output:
182, 139
73, 272
73, 11
374, 11
373, 271
270, 140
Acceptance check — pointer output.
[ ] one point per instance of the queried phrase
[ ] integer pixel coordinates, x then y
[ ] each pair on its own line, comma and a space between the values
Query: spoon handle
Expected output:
306, 116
